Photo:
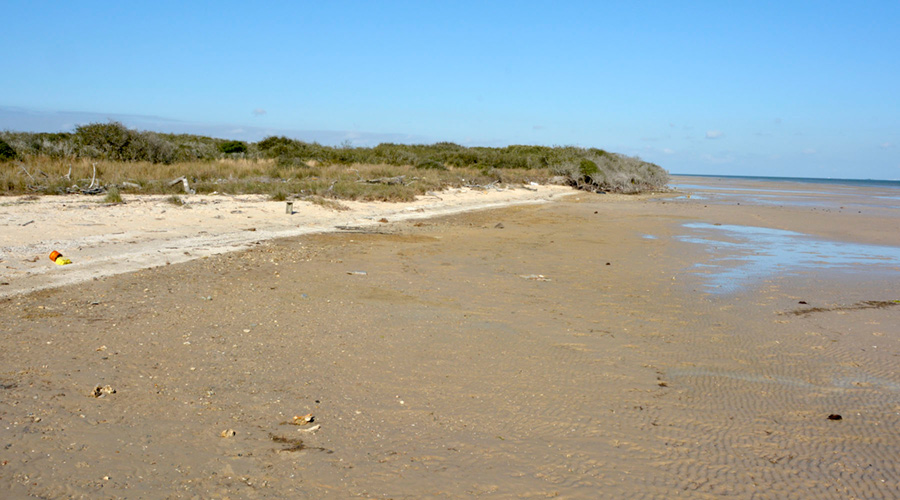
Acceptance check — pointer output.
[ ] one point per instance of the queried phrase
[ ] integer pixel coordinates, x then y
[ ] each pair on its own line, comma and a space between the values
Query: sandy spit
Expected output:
148, 231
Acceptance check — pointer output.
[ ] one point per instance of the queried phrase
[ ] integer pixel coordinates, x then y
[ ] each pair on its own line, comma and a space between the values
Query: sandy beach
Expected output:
735, 338
149, 231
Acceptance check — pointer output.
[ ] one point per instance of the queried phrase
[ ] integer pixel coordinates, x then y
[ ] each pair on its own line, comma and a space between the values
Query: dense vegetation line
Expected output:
133, 160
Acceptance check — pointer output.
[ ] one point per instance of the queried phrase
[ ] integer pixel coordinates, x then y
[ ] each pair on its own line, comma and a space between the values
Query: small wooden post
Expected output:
289, 208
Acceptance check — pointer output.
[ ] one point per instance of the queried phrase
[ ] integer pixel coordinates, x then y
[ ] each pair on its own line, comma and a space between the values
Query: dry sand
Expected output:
149, 231
570, 349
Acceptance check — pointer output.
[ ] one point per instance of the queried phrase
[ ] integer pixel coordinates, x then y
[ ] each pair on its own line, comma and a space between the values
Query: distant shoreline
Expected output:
809, 180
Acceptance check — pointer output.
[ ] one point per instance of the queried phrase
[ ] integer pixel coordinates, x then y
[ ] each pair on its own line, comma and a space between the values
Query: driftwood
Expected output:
95, 187
483, 187
93, 176
360, 230
588, 185
384, 180
184, 182
27, 173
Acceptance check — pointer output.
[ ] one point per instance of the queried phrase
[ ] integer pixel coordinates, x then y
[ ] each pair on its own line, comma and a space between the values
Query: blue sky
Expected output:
753, 88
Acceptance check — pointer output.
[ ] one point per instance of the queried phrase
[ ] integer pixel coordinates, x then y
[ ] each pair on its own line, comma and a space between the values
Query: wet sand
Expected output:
576, 349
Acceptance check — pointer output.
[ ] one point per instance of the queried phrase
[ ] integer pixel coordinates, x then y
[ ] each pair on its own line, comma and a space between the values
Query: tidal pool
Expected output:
746, 254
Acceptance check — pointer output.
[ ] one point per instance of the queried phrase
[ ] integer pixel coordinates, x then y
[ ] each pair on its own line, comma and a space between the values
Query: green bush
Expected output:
430, 164
175, 200
113, 196
113, 141
229, 147
273, 142
103, 140
7, 152
587, 168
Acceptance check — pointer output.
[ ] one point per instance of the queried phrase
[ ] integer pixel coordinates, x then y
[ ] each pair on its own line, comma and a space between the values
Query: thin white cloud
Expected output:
258, 112
886, 145
717, 159
62, 121
713, 134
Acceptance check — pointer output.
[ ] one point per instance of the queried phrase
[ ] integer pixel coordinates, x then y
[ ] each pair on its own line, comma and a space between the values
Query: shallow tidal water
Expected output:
744, 255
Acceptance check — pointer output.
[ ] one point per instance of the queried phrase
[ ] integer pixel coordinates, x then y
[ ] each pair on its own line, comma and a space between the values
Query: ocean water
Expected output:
804, 180
827, 194
745, 255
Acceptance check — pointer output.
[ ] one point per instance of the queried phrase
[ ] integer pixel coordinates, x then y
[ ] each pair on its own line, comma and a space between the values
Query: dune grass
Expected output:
146, 162
113, 196
44, 175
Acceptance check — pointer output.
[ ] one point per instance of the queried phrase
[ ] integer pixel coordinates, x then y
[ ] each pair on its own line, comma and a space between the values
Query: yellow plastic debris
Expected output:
59, 259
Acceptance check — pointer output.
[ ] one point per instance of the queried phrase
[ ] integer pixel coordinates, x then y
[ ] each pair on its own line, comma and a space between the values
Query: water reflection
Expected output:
831, 195
745, 254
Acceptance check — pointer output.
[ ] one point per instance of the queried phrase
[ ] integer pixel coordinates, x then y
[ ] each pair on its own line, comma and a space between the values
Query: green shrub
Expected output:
430, 164
113, 141
292, 160
175, 200
7, 152
587, 168
113, 196
229, 147
273, 142
103, 140
152, 147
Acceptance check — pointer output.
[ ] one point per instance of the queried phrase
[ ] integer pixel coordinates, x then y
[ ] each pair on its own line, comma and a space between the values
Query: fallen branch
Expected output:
483, 187
94, 191
184, 182
384, 180
93, 177
27, 173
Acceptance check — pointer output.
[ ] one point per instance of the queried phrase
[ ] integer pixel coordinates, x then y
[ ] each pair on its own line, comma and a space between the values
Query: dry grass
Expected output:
113, 196
327, 203
175, 200
44, 175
